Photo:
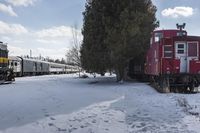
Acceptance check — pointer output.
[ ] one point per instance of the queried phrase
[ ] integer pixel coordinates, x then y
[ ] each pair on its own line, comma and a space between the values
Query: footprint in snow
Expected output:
90, 116
52, 118
142, 124
62, 130
46, 115
107, 129
106, 121
121, 121
50, 124
138, 112
94, 121
44, 109
72, 129
72, 120
82, 126
133, 126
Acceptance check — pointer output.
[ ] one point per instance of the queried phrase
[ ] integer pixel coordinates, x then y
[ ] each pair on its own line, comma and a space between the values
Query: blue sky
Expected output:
171, 12
44, 26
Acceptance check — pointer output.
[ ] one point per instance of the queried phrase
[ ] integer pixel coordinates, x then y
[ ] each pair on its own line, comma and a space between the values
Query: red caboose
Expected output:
173, 60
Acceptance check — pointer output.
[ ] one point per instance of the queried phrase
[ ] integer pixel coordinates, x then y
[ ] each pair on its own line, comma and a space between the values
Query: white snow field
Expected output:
67, 104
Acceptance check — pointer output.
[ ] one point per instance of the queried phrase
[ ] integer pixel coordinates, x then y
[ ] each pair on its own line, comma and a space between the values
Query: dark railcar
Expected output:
6, 74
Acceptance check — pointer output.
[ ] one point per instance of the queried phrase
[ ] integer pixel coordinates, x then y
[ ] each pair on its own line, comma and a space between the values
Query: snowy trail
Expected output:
32, 98
66, 104
96, 118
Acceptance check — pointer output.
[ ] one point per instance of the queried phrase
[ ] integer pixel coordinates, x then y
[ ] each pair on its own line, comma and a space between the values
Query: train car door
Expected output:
181, 53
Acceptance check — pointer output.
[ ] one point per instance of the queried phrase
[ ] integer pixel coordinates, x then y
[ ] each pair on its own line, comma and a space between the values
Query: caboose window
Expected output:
151, 41
192, 49
158, 36
180, 46
181, 33
180, 51
168, 51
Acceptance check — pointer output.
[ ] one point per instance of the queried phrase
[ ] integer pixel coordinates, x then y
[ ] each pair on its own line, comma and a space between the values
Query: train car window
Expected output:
15, 63
11, 63
35, 66
158, 36
168, 51
41, 66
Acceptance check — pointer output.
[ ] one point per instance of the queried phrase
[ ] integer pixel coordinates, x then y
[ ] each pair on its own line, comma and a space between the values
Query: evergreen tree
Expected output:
118, 31
94, 51
129, 24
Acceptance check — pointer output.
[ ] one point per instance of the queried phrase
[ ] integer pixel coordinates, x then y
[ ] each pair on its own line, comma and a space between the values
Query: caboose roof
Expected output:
170, 32
188, 38
167, 30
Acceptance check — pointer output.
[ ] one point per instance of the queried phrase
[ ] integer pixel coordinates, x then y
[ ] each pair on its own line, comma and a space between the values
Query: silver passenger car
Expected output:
30, 67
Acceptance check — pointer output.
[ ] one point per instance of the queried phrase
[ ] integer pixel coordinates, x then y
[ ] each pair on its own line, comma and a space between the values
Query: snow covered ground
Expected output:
67, 104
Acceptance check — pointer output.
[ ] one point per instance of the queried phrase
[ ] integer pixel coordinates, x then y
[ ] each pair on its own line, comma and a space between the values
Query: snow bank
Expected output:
66, 103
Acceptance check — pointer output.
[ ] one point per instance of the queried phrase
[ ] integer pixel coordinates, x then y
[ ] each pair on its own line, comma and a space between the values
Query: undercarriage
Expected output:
182, 83
6, 75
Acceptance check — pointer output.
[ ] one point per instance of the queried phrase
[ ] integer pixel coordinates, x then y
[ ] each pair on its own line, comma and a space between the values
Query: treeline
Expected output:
115, 32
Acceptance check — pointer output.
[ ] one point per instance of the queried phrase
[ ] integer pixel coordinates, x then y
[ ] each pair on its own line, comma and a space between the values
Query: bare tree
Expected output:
73, 54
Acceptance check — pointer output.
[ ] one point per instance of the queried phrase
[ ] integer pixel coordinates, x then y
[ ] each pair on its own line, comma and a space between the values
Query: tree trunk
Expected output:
120, 75
126, 78
79, 72
117, 75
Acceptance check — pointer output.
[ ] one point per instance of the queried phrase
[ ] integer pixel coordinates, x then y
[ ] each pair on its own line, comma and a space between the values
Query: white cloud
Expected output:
45, 41
17, 51
21, 2
44, 52
178, 12
5, 38
61, 31
52, 53
52, 42
7, 9
12, 29
57, 35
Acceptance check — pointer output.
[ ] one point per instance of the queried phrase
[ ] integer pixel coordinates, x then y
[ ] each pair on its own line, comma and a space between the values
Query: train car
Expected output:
173, 60
30, 67
6, 74
15, 65
72, 69
56, 68
34, 67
